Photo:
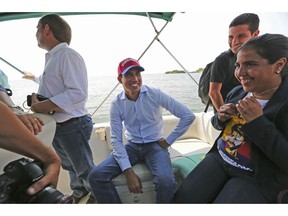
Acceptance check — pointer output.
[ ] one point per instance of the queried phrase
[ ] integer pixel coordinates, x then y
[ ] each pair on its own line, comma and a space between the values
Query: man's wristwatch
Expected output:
16, 108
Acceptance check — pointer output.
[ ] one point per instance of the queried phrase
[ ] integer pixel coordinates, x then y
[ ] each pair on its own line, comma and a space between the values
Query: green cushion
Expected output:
184, 165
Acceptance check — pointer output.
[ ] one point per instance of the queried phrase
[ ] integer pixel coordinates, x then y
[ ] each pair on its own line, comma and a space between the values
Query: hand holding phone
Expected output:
39, 97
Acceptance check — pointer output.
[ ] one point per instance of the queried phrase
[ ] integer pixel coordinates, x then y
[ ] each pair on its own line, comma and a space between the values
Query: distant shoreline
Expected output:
181, 71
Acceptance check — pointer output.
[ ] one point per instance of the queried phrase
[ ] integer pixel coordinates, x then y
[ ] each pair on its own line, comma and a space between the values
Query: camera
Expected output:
39, 97
18, 176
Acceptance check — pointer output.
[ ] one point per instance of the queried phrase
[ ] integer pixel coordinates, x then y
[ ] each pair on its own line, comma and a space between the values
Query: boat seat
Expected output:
148, 195
187, 147
183, 165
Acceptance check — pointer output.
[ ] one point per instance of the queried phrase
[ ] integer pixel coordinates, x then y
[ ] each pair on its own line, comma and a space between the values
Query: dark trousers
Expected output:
215, 181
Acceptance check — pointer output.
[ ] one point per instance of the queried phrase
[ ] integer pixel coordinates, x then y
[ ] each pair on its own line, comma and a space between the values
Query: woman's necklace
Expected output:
263, 102
267, 91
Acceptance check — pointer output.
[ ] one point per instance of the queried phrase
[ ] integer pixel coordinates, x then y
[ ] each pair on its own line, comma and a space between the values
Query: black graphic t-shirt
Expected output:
233, 147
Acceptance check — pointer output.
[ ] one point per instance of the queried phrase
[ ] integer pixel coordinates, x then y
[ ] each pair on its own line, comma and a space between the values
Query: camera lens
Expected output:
51, 195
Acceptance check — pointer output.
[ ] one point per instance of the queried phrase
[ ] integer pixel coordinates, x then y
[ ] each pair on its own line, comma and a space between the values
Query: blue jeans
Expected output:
71, 142
157, 161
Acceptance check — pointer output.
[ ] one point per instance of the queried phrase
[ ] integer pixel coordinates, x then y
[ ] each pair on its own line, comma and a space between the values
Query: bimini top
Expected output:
24, 15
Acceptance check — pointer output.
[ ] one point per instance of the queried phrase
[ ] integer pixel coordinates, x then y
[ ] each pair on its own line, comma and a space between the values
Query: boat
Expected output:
196, 141
185, 153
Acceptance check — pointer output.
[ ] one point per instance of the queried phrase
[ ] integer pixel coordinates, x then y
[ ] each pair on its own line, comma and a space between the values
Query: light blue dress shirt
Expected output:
143, 121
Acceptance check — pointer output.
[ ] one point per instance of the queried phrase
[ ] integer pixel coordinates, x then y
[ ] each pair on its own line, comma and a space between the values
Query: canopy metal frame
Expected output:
156, 38
167, 16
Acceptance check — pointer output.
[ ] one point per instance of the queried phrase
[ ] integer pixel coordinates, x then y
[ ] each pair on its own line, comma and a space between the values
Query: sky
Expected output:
193, 37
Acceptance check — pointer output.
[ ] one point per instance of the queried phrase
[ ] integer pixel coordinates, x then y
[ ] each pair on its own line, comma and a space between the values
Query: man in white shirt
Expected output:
64, 81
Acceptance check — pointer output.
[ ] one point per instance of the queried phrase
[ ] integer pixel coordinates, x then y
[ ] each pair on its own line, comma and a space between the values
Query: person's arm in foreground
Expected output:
31, 121
15, 137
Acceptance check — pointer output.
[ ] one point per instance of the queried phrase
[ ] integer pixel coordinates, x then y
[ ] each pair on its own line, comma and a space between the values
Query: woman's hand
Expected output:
226, 112
249, 108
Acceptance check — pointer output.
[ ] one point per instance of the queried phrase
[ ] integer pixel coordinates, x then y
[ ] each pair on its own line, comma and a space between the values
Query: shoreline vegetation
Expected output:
200, 70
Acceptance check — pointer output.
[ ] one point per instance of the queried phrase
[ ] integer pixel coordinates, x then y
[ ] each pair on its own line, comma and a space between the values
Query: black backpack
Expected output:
204, 83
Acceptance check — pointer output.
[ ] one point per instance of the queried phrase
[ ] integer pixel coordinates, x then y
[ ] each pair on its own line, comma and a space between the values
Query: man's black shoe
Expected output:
76, 200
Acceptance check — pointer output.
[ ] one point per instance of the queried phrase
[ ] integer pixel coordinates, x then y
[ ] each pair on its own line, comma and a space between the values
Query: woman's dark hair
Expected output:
269, 46
59, 27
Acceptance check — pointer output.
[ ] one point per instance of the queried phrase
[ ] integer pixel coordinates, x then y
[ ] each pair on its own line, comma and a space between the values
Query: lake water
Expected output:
180, 86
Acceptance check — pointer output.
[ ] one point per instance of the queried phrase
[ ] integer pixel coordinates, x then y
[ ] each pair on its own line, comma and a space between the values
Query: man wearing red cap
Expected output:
139, 109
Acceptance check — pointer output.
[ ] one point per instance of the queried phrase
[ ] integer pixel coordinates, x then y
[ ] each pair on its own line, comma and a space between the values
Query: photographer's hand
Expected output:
32, 122
15, 137
51, 173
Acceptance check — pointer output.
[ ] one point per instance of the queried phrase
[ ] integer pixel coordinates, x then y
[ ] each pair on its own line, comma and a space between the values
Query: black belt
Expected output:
71, 120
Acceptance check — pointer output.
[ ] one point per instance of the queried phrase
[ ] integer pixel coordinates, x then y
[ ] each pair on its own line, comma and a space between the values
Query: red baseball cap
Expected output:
127, 64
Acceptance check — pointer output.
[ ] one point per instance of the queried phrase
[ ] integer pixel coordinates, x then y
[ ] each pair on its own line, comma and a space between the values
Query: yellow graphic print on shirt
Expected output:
233, 147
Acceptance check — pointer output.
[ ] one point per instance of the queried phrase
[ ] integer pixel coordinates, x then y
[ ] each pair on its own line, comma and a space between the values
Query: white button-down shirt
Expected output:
65, 82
